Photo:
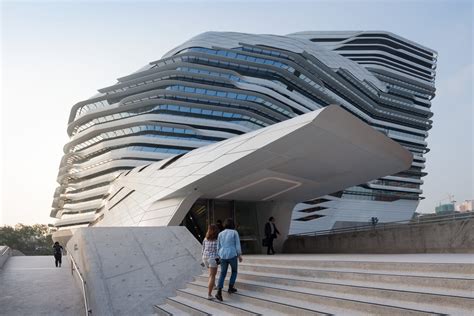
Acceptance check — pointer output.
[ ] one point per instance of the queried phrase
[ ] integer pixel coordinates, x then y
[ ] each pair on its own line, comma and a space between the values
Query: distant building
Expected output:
447, 208
466, 206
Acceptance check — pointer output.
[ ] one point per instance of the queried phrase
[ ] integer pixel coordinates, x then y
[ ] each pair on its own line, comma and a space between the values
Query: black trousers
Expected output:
57, 259
270, 245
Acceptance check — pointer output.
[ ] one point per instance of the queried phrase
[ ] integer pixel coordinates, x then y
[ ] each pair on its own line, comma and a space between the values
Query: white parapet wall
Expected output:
129, 269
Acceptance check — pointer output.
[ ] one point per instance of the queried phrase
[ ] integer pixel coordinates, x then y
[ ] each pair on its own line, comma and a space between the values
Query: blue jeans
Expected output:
224, 265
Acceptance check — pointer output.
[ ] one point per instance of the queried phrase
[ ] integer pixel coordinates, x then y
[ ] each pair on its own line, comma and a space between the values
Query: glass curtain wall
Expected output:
244, 214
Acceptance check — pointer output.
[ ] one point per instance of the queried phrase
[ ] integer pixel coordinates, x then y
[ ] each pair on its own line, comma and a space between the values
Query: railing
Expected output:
420, 220
83, 282
5, 251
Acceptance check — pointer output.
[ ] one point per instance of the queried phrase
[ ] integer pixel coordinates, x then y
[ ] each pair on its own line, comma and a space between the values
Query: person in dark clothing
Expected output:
58, 253
271, 233
219, 225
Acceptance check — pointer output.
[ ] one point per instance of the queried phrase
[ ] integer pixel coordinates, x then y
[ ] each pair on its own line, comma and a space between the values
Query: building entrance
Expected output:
209, 211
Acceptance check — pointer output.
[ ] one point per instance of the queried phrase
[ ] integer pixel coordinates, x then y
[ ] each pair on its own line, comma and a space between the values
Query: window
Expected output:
309, 218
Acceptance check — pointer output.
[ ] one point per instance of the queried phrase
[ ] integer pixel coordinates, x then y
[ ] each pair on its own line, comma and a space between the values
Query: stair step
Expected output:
259, 303
464, 270
417, 280
425, 295
321, 282
339, 284
327, 301
303, 285
199, 301
411, 300
296, 265
168, 310
188, 306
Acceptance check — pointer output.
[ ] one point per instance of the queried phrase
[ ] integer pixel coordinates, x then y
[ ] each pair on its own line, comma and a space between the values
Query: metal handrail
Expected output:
378, 226
83, 282
5, 251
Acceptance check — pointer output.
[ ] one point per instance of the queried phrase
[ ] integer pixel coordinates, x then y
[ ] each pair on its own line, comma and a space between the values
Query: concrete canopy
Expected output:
302, 158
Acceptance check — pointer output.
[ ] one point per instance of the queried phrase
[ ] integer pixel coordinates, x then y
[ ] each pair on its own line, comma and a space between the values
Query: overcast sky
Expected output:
55, 54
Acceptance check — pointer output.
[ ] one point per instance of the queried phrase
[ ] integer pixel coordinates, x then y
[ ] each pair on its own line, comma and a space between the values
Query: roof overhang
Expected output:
306, 157
311, 155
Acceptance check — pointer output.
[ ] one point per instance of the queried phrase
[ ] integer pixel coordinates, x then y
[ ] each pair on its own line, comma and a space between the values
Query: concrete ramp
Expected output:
129, 269
32, 285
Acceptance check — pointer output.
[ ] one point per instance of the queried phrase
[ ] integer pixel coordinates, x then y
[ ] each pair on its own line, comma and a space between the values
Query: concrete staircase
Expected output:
314, 285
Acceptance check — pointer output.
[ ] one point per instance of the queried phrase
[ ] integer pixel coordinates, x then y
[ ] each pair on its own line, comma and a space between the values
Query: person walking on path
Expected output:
58, 254
228, 249
210, 257
271, 233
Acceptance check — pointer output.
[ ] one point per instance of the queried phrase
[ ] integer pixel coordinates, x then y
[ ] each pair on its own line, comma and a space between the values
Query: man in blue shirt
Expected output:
228, 248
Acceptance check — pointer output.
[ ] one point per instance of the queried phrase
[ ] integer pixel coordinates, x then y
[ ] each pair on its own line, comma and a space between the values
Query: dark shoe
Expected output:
231, 289
219, 295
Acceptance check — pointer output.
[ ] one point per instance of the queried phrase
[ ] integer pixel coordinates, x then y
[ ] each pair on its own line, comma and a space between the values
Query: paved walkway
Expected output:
34, 286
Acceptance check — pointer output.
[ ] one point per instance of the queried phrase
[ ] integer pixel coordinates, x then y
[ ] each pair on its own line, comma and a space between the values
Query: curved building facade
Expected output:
220, 85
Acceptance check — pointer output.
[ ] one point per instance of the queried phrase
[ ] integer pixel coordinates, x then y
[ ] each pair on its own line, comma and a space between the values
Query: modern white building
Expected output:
254, 176
218, 86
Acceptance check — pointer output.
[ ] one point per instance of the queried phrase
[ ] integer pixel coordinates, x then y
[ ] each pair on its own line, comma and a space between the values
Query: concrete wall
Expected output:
449, 237
129, 269
63, 236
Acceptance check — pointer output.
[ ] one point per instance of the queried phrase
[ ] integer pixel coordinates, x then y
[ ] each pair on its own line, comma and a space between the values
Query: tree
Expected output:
32, 240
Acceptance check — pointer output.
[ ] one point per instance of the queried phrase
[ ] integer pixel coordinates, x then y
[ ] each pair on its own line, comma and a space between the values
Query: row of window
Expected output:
138, 129
301, 76
381, 96
89, 107
362, 190
235, 78
243, 120
345, 100
231, 95
74, 170
412, 92
263, 51
238, 67
157, 149
240, 56
233, 117
170, 107
124, 147
390, 132
428, 94
394, 183
210, 73
195, 100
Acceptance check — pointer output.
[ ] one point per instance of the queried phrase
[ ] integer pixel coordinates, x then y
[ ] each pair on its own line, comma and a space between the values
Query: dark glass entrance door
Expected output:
221, 210
244, 214
197, 219
247, 226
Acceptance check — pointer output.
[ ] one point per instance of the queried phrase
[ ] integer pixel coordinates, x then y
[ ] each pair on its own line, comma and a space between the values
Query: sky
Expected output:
55, 54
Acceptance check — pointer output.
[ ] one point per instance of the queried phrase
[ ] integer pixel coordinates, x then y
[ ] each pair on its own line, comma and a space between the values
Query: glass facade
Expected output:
209, 211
